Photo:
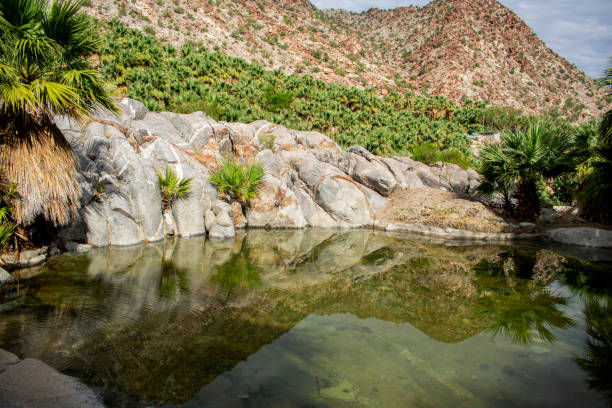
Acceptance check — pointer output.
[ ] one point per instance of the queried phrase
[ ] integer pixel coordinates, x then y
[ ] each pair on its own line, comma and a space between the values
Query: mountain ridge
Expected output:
474, 49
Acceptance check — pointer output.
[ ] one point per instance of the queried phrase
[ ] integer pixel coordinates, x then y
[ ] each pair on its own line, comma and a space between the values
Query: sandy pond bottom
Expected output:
321, 319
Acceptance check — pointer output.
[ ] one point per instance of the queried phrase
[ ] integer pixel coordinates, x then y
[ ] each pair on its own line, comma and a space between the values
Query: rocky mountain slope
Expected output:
475, 49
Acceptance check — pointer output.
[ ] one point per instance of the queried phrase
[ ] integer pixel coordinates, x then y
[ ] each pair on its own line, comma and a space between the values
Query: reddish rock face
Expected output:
473, 48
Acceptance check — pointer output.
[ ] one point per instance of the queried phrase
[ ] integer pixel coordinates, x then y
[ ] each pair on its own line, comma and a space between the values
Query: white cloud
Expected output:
580, 31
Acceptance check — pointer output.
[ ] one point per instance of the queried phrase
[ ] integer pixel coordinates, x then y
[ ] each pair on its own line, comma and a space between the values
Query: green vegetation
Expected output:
172, 187
239, 182
193, 77
7, 225
429, 153
44, 71
521, 160
266, 140
595, 189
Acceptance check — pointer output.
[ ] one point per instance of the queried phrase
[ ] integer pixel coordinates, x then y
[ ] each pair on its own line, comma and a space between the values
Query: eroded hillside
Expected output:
476, 49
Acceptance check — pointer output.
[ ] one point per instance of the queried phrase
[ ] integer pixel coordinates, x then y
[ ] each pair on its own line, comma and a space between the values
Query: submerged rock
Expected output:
32, 383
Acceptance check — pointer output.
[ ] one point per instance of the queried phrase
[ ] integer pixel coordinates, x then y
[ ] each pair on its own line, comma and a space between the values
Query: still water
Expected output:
322, 319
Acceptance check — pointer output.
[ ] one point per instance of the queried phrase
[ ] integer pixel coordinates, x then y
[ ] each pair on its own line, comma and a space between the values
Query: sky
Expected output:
580, 31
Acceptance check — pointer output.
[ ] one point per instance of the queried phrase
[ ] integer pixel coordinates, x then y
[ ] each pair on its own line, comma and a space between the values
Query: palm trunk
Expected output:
528, 200
42, 165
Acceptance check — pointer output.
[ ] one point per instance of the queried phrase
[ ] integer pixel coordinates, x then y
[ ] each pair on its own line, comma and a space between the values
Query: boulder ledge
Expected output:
33, 384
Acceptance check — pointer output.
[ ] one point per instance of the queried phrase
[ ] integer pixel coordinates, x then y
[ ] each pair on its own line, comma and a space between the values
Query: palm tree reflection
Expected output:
237, 272
597, 359
517, 304
523, 313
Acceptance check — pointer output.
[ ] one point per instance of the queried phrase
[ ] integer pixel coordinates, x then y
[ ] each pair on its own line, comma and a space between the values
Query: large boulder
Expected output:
584, 236
344, 199
339, 195
275, 206
371, 174
314, 214
32, 383
406, 179
132, 109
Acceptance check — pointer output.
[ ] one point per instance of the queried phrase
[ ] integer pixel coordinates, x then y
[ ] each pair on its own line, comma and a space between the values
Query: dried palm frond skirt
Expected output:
42, 165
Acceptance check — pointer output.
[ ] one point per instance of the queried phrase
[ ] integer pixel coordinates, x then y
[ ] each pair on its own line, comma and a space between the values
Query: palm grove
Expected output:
46, 70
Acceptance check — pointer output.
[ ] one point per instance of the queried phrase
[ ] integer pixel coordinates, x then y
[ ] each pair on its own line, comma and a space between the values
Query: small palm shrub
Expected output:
172, 187
239, 182
521, 160
7, 226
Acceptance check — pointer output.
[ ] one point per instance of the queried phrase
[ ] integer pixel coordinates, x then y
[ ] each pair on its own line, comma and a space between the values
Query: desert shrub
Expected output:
429, 153
267, 140
277, 100
239, 182
172, 187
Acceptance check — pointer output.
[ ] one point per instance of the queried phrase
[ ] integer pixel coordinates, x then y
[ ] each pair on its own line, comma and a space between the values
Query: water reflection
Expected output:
238, 272
597, 359
519, 303
261, 317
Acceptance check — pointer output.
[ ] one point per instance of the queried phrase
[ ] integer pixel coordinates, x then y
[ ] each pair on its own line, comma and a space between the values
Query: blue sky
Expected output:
580, 31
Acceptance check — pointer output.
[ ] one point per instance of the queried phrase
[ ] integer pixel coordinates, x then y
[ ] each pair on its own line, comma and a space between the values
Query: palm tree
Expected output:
522, 159
596, 188
45, 71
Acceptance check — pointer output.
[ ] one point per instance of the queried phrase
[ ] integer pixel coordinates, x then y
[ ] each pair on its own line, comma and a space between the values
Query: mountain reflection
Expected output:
177, 314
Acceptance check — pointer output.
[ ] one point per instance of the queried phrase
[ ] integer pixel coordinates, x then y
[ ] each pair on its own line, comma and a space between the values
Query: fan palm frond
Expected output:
45, 71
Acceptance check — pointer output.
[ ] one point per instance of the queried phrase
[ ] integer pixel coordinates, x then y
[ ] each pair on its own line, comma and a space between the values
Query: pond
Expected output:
320, 318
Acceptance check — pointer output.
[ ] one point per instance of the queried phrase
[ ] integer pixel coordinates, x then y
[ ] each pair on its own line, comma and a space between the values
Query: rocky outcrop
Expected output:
310, 181
32, 383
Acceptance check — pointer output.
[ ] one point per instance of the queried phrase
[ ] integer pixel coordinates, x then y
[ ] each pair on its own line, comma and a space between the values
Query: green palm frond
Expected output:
172, 187
242, 183
59, 97
45, 70
183, 188
525, 157
6, 226
6, 232
4, 214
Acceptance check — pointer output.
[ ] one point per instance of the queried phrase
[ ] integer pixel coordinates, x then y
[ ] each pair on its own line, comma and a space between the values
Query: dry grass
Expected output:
440, 209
